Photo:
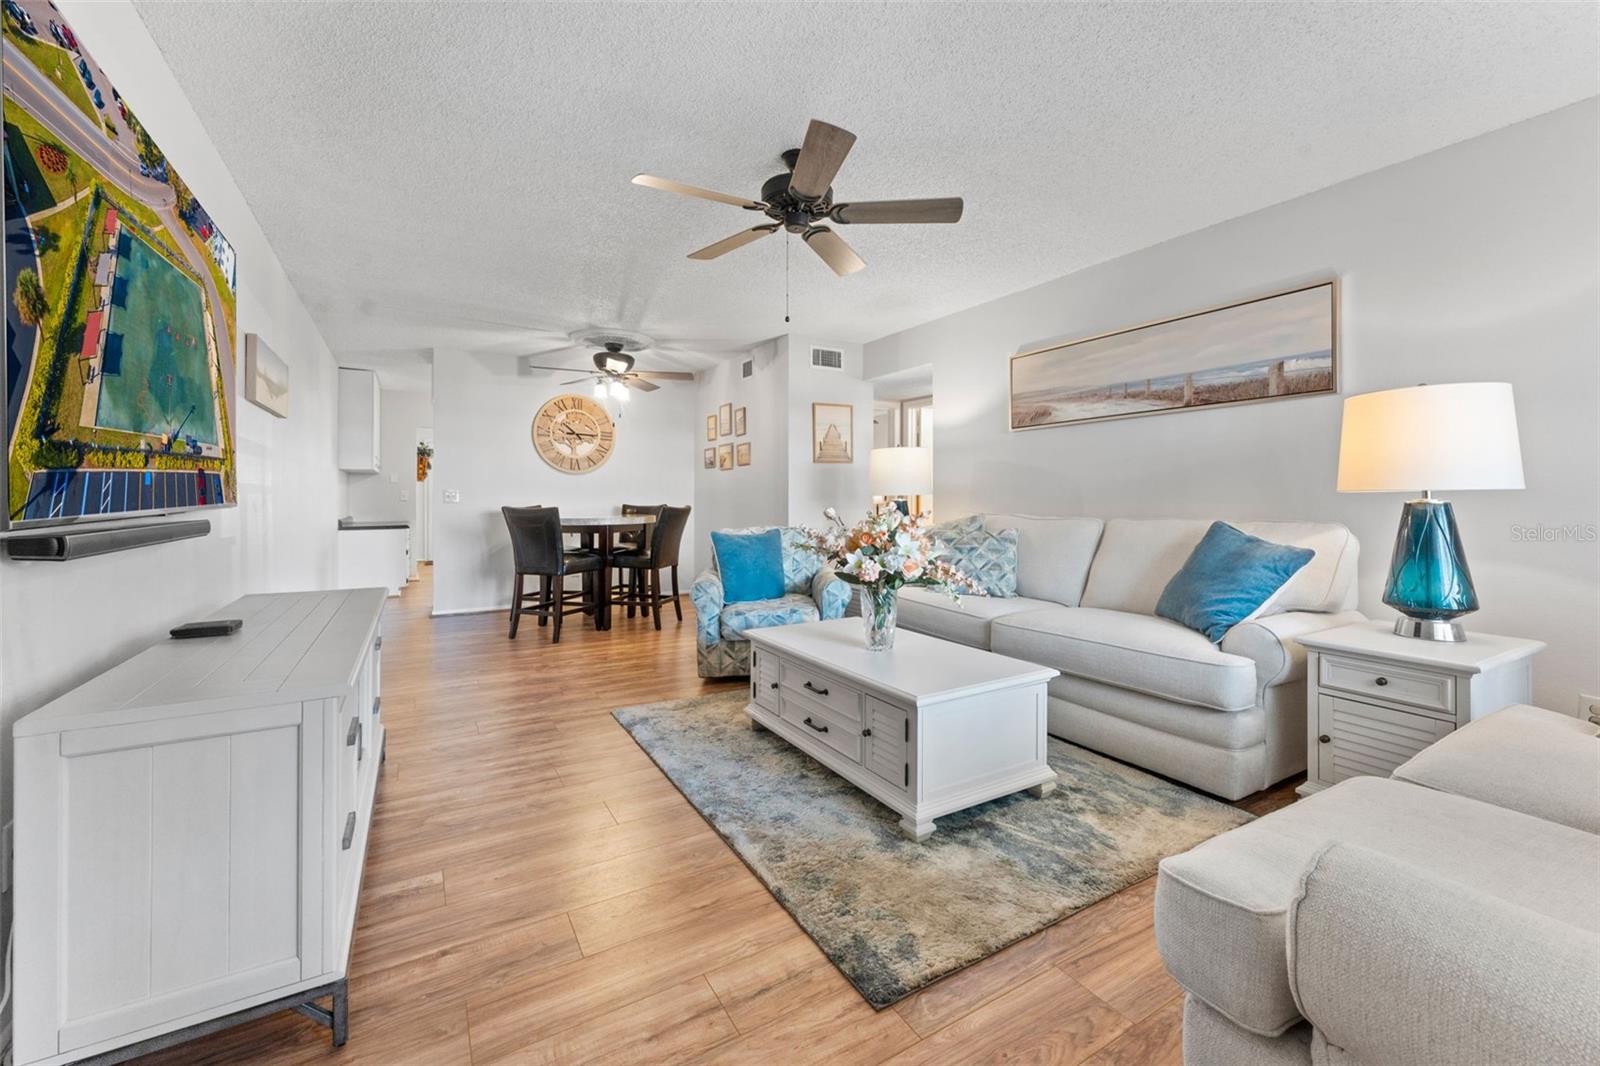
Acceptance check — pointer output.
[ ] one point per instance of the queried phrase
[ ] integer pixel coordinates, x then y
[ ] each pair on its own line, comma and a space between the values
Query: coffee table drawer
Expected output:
822, 723
1420, 688
818, 687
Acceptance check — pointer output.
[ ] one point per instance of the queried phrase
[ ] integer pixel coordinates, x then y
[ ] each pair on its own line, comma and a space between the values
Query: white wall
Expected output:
1477, 262
813, 486
401, 413
482, 420
754, 495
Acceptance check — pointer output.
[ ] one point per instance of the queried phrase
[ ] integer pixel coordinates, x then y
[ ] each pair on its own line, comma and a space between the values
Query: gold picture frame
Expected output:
833, 433
741, 453
1276, 346
724, 457
725, 420
711, 427
739, 425
710, 459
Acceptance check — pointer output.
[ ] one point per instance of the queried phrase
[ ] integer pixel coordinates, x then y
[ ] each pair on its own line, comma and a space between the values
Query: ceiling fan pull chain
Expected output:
786, 243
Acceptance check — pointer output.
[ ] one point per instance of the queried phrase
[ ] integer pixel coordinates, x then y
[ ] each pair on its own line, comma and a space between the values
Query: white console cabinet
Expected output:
190, 831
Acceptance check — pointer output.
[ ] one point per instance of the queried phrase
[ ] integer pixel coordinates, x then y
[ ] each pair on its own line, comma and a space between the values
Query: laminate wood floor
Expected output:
537, 891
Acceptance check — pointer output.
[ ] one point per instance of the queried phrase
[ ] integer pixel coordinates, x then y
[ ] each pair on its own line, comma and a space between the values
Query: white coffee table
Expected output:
927, 728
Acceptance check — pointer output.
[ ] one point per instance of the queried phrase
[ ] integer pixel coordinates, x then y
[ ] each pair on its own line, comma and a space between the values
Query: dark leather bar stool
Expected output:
630, 541
642, 570
537, 550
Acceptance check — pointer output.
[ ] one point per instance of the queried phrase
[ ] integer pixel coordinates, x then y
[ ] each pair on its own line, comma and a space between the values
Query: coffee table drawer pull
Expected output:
1382, 681
349, 831
866, 732
350, 736
818, 728
809, 687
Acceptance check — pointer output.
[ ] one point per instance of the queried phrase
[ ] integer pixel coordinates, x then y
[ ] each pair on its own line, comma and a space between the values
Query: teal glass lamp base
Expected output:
1429, 583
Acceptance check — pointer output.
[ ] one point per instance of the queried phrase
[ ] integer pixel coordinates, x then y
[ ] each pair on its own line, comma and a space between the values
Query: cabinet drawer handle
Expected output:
866, 732
1382, 681
812, 688
773, 685
377, 645
818, 728
377, 706
349, 831
1324, 738
350, 737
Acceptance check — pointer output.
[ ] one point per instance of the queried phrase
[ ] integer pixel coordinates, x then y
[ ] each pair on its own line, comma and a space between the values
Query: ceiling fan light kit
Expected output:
798, 200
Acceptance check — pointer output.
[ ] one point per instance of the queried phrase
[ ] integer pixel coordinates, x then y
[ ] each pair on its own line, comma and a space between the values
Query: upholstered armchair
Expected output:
810, 592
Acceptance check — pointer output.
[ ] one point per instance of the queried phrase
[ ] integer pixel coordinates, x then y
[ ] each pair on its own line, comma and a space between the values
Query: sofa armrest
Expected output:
830, 594
1395, 964
1270, 641
706, 595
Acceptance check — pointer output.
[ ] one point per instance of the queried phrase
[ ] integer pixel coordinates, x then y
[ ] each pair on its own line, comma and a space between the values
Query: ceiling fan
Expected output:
798, 200
613, 373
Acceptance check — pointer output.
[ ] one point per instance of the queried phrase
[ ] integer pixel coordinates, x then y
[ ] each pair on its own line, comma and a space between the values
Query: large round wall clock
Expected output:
574, 434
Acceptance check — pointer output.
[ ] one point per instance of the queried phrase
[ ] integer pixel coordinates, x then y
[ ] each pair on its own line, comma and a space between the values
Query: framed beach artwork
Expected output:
741, 454
1272, 347
711, 427
832, 439
725, 420
711, 459
738, 422
724, 457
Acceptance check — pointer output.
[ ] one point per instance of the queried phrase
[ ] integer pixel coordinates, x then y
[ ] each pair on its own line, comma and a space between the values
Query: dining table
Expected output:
599, 533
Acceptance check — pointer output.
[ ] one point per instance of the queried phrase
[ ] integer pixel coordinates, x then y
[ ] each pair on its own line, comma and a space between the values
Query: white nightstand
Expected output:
1376, 699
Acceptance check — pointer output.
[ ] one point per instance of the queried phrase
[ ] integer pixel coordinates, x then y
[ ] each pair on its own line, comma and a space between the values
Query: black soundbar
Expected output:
59, 545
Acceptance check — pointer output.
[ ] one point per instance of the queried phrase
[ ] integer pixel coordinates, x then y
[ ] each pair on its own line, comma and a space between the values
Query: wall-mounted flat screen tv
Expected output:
120, 300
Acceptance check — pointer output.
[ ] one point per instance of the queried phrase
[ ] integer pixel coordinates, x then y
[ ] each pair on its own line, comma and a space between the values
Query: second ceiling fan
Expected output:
799, 200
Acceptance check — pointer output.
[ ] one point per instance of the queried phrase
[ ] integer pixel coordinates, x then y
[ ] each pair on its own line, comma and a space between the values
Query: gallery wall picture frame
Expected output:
725, 420
710, 459
739, 425
833, 433
1279, 345
711, 427
724, 457
741, 454
266, 377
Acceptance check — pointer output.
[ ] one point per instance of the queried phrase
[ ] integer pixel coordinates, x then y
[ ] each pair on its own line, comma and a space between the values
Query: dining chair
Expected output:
631, 540
537, 550
642, 570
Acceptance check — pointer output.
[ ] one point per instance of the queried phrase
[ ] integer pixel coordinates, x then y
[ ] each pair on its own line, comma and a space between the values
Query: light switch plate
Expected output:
405, 497
452, 496
1589, 707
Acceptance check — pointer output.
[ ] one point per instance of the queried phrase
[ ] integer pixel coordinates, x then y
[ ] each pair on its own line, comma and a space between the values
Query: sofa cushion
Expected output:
1226, 579
1132, 651
785, 610
1221, 908
1138, 556
1053, 554
967, 622
1524, 758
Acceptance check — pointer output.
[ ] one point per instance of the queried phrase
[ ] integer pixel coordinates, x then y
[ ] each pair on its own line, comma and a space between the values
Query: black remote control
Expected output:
219, 627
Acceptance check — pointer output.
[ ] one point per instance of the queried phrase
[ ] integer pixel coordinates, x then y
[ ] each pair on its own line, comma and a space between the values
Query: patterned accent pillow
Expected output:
988, 558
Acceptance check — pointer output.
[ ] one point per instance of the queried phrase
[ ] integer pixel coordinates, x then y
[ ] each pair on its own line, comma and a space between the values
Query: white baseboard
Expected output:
436, 613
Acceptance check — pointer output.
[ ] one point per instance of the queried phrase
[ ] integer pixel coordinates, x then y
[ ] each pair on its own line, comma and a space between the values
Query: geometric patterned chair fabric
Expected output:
811, 592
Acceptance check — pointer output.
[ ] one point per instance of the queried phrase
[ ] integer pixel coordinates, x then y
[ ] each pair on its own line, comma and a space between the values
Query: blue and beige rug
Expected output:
894, 915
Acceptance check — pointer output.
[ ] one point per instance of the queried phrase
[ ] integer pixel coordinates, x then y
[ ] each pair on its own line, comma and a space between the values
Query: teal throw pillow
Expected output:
1227, 576
751, 565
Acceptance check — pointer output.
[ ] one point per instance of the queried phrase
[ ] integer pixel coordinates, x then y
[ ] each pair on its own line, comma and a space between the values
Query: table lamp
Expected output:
1461, 436
900, 473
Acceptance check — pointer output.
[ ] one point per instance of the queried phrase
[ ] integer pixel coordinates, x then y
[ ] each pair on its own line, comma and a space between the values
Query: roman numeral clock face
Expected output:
574, 434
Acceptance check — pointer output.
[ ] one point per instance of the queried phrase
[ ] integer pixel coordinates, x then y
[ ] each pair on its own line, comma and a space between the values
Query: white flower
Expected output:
869, 570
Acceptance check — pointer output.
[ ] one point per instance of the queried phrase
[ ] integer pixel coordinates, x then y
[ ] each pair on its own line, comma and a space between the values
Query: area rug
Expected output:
894, 915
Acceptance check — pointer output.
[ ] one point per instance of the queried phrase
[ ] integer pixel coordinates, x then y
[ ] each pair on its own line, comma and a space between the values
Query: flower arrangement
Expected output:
882, 554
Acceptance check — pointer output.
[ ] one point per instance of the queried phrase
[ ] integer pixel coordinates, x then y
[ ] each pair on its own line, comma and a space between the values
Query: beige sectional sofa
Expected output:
1444, 916
1229, 719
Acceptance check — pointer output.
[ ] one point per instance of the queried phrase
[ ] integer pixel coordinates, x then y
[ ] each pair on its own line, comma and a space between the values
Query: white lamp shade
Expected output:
900, 471
1445, 437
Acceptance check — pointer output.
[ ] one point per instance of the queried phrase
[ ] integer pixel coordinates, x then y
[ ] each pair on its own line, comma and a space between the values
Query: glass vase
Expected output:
878, 616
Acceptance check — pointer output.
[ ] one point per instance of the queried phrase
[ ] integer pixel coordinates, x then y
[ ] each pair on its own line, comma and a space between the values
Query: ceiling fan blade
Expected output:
574, 381
820, 158
552, 369
633, 381
663, 375
943, 209
738, 240
833, 250
668, 185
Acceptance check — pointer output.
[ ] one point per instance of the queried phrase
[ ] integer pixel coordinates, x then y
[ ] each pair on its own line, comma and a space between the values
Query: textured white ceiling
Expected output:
457, 175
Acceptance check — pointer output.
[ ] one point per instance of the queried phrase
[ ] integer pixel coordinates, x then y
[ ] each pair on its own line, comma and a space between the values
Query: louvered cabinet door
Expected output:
1355, 738
888, 752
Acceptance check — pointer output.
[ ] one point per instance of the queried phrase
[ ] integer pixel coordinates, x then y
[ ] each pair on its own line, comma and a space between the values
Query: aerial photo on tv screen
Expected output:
120, 310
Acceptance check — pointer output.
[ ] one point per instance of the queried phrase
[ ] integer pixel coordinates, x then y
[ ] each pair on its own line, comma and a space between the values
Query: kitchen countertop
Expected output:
351, 524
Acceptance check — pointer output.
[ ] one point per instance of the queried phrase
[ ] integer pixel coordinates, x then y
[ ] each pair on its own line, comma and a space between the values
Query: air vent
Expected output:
748, 368
827, 358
